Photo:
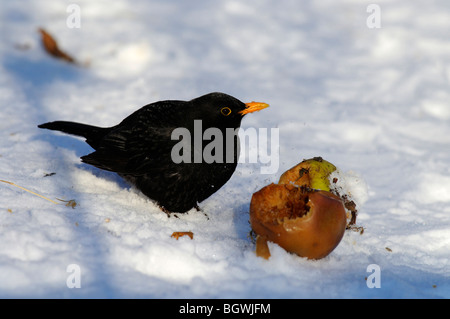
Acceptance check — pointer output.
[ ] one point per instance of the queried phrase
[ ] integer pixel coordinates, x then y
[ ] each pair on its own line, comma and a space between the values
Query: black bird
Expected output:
176, 168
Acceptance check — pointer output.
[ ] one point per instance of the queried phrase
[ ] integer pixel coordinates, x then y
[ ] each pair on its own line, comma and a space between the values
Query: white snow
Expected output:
373, 101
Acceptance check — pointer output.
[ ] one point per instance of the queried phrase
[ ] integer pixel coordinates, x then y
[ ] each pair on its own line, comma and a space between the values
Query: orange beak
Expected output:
253, 107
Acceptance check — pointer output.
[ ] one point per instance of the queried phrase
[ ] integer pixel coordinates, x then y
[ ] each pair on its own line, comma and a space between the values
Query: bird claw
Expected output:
168, 212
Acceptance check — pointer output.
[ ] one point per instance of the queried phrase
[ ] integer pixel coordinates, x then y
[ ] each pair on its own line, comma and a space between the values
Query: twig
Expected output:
27, 190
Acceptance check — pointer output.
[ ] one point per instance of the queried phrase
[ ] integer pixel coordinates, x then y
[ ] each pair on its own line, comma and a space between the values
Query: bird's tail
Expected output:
92, 133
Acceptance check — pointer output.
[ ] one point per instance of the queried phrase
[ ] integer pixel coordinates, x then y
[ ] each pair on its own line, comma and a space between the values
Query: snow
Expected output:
373, 101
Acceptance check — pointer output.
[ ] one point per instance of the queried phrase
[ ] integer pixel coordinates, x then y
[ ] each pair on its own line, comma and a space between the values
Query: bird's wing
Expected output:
132, 152
140, 144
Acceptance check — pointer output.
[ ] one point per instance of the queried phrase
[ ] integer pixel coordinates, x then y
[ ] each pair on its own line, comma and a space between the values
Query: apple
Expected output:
312, 173
320, 174
304, 221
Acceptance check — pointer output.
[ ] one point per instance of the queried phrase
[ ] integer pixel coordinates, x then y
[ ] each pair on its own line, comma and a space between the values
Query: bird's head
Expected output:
223, 110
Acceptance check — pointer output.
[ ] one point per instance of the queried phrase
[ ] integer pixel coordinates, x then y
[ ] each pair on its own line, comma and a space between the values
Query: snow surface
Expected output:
373, 101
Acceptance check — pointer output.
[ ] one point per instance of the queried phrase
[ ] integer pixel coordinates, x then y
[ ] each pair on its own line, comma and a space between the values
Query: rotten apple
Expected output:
320, 174
307, 222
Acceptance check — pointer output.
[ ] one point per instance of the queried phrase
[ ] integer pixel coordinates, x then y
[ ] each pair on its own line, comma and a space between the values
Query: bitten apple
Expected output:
304, 221
313, 173
317, 173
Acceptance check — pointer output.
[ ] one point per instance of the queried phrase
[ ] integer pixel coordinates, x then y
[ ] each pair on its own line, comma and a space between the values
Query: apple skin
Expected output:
313, 173
309, 223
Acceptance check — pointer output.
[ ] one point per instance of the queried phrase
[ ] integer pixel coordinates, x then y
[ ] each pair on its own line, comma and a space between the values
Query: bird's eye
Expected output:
225, 111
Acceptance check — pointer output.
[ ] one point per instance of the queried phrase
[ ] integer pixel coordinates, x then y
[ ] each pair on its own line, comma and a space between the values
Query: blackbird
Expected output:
169, 168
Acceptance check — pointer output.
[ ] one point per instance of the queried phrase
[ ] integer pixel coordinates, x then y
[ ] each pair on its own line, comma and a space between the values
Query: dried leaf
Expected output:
51, 46
69, 203
49, 174
179, 234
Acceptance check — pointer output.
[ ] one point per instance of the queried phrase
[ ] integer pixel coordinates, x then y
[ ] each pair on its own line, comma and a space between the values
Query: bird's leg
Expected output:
165, 211
197, 208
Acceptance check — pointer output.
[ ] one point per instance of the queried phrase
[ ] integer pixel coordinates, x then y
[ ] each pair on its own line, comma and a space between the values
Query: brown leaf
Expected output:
179, 234
69, 203
51, 46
